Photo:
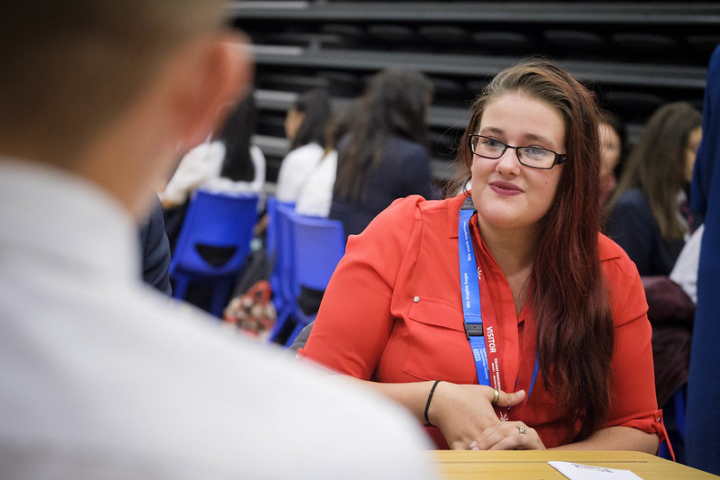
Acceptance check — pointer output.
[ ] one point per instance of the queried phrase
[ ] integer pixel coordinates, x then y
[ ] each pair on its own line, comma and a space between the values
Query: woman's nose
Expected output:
508, 162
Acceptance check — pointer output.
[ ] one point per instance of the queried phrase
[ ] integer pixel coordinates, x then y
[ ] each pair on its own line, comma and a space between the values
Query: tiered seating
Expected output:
635, 55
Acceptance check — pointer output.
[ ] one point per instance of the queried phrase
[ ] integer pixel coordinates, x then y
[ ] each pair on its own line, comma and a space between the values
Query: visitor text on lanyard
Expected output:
470, 284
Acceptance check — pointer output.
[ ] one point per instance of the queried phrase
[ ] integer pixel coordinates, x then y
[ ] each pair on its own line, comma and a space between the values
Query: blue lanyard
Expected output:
469, 280
471, 294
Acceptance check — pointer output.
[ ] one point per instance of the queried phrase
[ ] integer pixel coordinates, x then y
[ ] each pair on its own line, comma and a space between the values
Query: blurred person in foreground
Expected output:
503, 302
703, 408
99, 376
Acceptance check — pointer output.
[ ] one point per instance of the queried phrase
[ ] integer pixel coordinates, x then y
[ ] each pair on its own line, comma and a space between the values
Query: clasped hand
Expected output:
466, 417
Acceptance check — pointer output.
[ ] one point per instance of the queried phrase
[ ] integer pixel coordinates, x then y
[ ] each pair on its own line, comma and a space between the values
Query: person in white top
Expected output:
305, 128
685, 270
227, 163
315, 196
100, 376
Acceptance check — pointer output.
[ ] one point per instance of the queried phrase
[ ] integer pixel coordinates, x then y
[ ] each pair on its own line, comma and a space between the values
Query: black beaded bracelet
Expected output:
427, 405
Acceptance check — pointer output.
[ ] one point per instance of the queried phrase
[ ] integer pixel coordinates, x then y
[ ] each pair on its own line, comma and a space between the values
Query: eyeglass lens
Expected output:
530, 156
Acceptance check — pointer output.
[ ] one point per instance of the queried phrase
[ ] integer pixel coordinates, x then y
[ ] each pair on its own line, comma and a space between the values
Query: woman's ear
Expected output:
215, 71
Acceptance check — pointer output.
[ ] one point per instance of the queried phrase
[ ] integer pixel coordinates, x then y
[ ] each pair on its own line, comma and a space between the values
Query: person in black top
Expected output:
645, 210
384, 156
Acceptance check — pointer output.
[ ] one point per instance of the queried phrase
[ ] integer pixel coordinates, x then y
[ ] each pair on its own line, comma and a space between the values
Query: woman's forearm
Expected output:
617, 438
461, 412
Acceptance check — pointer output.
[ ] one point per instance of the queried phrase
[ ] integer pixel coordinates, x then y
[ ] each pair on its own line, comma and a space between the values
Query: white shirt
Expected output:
101, 377
316, 195
685, 271
201, 167
295, 169
220, 184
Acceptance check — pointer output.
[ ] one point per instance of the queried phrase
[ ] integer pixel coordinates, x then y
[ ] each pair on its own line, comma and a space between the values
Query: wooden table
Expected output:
532, 465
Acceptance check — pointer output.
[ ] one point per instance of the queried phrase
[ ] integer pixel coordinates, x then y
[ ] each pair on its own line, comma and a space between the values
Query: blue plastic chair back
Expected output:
271, 232
285, 260
319, 245
274, 235
674, 415
219, 220
282, 277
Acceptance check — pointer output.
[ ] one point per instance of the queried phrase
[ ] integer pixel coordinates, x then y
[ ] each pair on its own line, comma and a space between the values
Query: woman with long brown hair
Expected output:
384, 154
645, 210
508, 286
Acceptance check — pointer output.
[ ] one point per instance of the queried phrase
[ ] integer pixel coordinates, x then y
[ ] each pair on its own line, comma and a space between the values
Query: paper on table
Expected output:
575, 471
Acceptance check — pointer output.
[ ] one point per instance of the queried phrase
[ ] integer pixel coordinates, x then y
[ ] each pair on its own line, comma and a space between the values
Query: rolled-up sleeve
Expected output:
633, 401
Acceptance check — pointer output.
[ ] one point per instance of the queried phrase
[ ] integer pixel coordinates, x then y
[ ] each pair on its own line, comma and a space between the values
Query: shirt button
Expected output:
416, 299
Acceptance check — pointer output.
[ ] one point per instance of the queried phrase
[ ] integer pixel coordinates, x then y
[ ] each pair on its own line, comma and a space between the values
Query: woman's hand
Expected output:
464, 412
508, 436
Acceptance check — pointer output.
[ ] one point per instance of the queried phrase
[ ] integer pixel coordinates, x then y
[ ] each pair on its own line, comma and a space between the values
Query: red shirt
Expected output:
392, 313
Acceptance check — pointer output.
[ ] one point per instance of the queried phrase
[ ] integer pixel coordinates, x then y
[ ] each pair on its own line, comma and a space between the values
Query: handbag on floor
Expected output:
253, 312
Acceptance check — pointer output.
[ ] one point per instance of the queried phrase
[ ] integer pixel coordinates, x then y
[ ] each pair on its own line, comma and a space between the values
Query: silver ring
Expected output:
521, 429
496, 396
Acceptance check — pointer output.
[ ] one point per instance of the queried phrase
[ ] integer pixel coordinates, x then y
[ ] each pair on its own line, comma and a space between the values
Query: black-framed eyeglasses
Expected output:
533, 157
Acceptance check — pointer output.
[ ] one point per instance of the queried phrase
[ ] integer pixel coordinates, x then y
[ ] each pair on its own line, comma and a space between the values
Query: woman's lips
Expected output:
506, 189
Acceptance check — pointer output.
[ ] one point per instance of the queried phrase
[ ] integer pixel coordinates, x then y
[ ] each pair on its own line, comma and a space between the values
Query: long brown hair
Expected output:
567, 289
395, 103
657, 165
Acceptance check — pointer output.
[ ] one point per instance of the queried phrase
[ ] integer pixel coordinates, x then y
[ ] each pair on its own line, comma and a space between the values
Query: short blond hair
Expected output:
71, 66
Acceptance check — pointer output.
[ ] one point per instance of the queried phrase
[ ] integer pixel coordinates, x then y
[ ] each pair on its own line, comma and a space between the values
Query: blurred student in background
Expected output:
384, 156
649, 217
316, 195
305, 128
648, 211
155, 250
613, 148
225, 162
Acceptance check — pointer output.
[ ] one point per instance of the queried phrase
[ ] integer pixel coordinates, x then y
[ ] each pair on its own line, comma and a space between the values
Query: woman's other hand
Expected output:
508, 436
464, 412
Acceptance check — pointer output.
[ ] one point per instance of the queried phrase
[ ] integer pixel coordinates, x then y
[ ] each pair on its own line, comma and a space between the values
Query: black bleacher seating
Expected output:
576, 41
632, 106
474, 87
704, 43
445, 35
648, 45
505, 42
352, 35
292, 82
448, 90
341, 84
303, 39
392, 34
635, 55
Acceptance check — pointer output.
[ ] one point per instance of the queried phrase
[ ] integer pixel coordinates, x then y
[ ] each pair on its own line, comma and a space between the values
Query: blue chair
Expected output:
272, 242
283, 276
674, 413
271, 232
319, 244
214, 244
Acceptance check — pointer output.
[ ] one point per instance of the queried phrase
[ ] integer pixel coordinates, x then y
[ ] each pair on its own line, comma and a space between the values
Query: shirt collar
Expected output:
453, 206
